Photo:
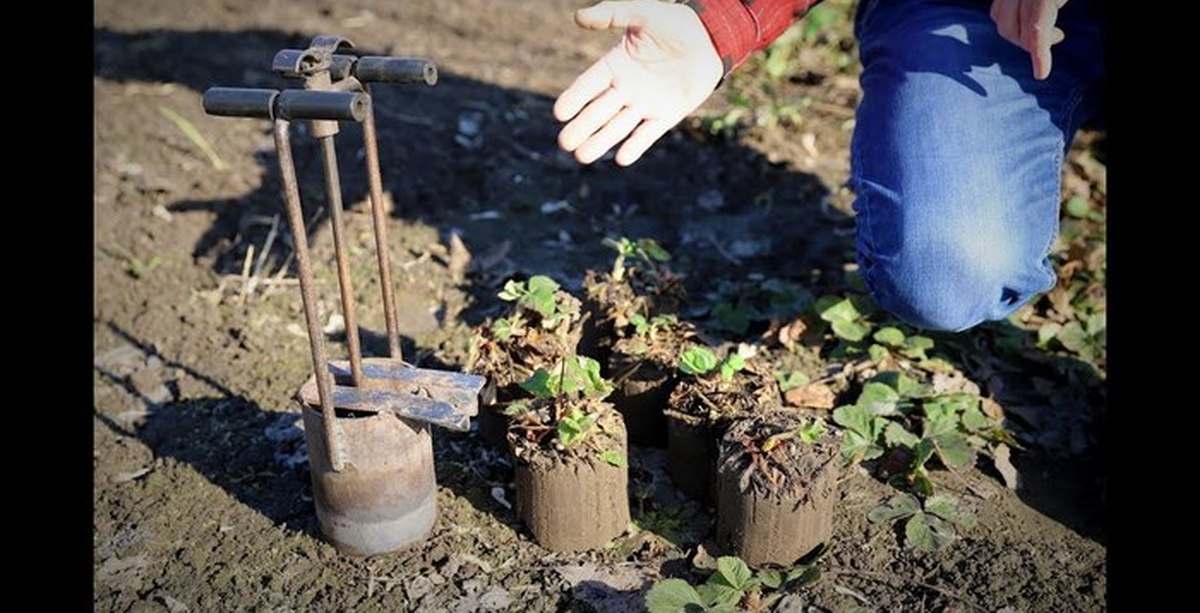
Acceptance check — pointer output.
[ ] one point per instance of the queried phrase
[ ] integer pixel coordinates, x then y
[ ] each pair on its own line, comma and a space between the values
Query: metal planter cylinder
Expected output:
386, 497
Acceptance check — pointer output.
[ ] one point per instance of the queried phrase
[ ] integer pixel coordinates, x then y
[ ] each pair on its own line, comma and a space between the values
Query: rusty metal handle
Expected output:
289, 104
398, 70
240, 102
291, 197
309, 104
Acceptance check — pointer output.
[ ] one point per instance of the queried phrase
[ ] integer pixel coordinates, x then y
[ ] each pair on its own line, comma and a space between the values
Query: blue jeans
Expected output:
956, 158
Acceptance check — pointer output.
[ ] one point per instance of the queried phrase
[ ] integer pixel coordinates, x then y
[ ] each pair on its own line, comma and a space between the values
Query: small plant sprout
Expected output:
138, 269
573, 426
697, 360
645, 249
846, 320
564, 397
893, 407
807, 433
731, 587
791, 380
648, 328
538, 294
576, 375
931, 525
736, 361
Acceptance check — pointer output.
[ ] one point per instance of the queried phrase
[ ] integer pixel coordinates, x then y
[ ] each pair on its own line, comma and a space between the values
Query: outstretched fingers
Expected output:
645, 135
587, 86
612, 133
591, 119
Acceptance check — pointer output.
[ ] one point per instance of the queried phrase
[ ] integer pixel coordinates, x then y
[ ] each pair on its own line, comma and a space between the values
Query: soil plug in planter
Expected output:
776, 487
543, 326
710, 394
644, 373
366, 421
571, 458
639, 284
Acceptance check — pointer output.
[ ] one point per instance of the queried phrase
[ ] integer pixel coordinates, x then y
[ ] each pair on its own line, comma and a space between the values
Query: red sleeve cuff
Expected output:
741, 27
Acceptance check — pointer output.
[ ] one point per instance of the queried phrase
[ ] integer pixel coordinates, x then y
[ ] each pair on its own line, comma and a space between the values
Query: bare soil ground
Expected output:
201, 490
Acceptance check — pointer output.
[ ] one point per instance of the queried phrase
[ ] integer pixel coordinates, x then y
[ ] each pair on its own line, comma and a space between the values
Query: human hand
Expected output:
1029, 24
662, 69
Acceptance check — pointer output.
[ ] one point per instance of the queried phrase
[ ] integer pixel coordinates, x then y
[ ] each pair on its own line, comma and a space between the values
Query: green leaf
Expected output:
974, 420
810, 432
1078, 207
640, 325
856, 418
716, 596
653, 250
856, 447
915, 347
905, 386
834, 309
890, 336
539, 384
573, 427
732, 572
850, 330
941, 412
878, 398
922, 451
792, 380
697, 360
615, 458
541, 284
516, 408
954, 450
920, 482
673, 596
877, 352
502, 329
1047, 332
947, 508
1074, 338
801, 576
513, 290
896, 435
771, 578
897, 507
732, 364
582, 374
936, 365
928, 533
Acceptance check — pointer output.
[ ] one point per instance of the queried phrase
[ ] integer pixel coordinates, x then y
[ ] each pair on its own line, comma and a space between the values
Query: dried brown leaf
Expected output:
1002, 461
813, 395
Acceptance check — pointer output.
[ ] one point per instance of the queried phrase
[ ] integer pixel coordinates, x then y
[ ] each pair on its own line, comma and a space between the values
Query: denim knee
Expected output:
951, 282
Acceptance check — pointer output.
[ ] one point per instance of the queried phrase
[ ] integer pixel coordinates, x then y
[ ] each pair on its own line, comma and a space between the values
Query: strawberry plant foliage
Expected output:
928, 526
731, 587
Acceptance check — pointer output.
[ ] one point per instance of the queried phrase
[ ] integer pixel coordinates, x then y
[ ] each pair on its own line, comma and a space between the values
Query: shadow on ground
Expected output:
481, 160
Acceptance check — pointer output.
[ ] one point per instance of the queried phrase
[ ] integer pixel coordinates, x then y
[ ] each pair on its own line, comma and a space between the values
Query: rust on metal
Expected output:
333, 188
379, 221
402, 403
295, 218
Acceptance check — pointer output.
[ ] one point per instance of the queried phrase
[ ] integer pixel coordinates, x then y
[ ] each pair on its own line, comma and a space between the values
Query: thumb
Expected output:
610, 14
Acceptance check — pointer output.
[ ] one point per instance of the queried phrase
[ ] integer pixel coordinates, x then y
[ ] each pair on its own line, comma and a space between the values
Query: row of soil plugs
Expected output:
771, 472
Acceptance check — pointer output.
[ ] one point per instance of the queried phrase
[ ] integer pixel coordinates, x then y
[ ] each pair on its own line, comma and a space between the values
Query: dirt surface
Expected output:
201, 488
